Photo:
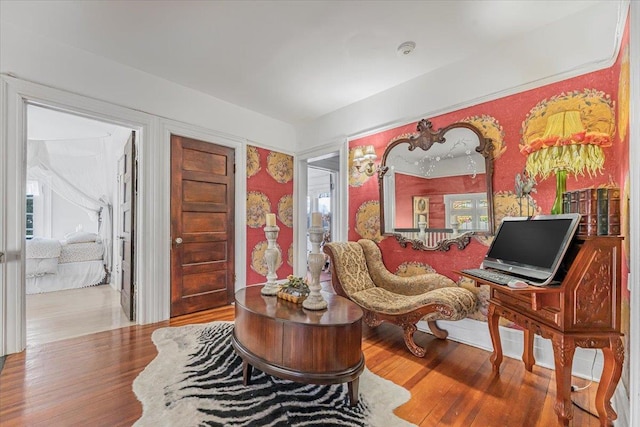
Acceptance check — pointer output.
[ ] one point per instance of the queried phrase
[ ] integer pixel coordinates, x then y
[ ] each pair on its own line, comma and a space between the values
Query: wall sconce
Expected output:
367, 157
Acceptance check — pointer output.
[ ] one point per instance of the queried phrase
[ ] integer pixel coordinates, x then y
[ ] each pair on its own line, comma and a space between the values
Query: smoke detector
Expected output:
406, 48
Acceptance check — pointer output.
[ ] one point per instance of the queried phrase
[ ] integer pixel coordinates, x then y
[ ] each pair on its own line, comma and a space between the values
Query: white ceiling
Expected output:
291, 60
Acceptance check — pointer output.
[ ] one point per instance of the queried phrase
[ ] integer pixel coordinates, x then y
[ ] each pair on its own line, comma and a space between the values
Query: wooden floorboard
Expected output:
72, 313
87, 380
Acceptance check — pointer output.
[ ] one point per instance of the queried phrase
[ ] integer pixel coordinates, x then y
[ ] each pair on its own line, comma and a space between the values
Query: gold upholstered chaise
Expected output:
359, 274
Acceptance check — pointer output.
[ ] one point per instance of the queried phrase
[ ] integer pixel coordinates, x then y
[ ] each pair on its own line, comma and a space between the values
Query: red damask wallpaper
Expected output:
519, 125
269, 190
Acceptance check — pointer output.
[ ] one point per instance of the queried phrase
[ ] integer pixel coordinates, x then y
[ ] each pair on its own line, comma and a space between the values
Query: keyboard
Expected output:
491, 276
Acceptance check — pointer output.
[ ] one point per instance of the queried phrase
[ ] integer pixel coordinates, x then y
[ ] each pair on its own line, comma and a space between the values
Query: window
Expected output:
33, 189
29, 228
324, 207
467, 212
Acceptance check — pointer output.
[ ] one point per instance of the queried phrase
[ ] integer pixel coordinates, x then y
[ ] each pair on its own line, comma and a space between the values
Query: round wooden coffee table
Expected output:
288, 341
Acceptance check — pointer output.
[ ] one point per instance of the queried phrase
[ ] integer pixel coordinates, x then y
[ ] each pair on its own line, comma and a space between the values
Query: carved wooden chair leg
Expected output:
410, 343
435, 329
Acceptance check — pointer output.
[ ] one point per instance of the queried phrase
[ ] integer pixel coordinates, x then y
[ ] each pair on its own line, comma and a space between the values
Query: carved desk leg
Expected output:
563, 349
527, 354
493, 318
611, 371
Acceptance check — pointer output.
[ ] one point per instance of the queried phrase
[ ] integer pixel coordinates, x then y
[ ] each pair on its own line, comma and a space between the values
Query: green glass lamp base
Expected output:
561, 187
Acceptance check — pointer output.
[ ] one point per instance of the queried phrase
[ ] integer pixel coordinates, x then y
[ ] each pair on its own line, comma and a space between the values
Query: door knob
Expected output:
178, 240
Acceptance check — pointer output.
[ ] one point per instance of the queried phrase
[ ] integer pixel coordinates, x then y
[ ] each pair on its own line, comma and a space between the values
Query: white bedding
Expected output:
71, 275
41, 266
40, 247
78, 252
52, 265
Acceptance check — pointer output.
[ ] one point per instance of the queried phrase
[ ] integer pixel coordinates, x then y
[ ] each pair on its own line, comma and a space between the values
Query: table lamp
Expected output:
566, 147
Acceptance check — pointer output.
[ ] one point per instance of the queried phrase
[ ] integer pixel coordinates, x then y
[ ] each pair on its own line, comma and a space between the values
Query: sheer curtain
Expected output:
77, 171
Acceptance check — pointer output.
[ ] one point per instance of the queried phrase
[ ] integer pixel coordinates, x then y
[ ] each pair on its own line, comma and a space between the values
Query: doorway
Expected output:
71, 188
322, 196
152, 256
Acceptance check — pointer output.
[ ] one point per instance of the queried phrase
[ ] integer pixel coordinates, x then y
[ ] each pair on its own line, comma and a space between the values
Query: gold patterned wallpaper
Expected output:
518, 125
269, 190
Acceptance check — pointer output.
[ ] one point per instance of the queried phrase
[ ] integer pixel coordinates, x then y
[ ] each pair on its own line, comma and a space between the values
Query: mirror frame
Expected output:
424, 139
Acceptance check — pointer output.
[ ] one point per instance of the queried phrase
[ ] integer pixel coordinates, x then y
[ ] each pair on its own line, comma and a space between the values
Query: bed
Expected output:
76, 262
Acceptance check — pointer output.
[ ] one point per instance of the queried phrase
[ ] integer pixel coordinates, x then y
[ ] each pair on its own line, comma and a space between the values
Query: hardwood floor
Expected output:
86, 381
53, 316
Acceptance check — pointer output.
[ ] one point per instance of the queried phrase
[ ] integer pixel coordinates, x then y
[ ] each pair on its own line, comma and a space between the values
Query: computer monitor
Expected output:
532, 247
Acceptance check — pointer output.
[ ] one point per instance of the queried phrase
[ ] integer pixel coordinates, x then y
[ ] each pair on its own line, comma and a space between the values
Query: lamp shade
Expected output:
567, 132
370, 153
565, 135
565, 145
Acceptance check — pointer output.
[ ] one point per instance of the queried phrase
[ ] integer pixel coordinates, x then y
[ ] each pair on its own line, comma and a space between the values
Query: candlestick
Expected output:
315, 301
316, 219
271, 220
271, 288
422, 225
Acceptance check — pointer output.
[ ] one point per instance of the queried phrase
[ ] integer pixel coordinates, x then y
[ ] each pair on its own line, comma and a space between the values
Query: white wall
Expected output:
37, 59
588, 42
567, 48
66, 217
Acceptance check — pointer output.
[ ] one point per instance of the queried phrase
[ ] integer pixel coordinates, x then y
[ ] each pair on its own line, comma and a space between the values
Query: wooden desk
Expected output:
309, 346
582, 311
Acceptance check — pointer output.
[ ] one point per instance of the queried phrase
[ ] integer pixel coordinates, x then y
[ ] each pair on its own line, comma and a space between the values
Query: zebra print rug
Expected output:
196, 380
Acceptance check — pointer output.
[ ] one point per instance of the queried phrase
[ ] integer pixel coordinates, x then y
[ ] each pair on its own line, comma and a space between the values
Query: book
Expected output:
570, 202
588, 208
603, 211
566, 202
599, 209
573, 202
614, 212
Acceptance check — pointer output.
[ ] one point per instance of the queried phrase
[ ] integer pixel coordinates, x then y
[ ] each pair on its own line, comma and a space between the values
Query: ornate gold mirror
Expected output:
436, 187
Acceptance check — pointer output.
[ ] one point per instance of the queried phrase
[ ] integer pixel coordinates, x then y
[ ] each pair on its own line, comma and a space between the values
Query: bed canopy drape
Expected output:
78, 171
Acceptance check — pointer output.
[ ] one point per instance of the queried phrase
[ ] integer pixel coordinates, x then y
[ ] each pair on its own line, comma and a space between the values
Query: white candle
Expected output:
422, 218
316, 219
271, 220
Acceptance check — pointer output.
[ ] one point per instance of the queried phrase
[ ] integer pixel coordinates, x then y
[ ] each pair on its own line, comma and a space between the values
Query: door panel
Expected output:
202, 224
194, 253
204, 192
126, 209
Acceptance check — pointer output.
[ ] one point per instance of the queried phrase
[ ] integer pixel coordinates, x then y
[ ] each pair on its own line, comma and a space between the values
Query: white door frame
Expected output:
15, 94
634, 212
340, 211
169, 127
152, 213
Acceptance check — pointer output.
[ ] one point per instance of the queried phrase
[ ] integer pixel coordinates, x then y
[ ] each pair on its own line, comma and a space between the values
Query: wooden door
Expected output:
202, 225
126, 226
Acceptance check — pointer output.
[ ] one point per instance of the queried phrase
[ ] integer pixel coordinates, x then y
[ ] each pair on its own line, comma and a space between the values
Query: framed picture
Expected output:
420, 210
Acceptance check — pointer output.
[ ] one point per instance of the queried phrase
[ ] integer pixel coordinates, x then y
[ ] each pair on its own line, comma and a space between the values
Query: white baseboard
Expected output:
620, 403
476, 334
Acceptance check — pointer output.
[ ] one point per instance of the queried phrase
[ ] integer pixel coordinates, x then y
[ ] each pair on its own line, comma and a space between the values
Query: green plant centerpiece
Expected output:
295, 289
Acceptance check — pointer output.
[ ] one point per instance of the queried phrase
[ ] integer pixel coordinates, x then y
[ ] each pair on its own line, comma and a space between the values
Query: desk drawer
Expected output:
523, 304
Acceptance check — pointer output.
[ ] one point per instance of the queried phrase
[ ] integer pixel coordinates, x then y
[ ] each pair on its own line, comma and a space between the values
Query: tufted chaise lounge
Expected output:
359, 274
